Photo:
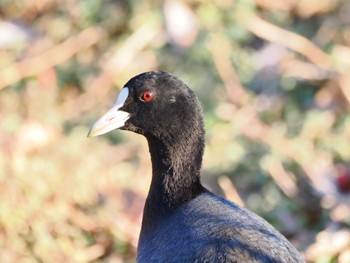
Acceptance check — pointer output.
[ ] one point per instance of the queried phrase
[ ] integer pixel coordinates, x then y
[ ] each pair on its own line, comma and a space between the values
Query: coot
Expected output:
183, 221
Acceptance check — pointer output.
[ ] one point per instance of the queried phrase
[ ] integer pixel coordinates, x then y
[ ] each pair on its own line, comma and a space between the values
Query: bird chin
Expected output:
132, 128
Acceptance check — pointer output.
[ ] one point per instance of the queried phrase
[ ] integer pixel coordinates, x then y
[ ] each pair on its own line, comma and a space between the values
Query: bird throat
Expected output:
176, 164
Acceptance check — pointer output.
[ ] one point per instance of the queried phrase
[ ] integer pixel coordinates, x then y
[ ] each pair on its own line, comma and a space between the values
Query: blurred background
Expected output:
274, 81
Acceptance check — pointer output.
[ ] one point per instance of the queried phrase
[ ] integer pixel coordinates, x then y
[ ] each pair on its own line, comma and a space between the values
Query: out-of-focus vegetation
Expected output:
274, 80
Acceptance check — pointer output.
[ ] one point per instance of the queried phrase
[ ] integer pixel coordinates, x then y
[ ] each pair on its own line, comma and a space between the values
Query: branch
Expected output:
288, 39
50, 58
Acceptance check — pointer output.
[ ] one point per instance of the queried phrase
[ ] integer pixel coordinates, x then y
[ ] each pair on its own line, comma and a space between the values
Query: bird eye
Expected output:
147, 96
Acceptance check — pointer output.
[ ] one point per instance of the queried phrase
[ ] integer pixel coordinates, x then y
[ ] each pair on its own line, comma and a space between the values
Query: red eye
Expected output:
147, 96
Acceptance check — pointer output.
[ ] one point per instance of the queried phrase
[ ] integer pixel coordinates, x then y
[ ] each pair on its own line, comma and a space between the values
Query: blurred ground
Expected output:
273, 78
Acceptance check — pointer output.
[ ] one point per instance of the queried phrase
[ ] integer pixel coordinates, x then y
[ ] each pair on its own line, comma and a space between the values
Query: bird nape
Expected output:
183, 221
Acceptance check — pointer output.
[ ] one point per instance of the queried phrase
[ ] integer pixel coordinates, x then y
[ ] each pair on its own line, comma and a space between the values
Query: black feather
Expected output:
182, 221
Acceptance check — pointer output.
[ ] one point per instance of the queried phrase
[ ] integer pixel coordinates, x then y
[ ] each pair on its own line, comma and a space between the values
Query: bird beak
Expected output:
114, 118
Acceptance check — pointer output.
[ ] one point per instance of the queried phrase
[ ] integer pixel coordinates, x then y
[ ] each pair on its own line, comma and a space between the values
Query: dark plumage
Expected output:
183, 221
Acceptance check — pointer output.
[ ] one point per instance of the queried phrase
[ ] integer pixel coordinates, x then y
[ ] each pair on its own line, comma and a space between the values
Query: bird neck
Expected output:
176, 164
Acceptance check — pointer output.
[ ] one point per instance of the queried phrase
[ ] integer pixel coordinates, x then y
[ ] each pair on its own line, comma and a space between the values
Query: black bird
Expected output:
183, 221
